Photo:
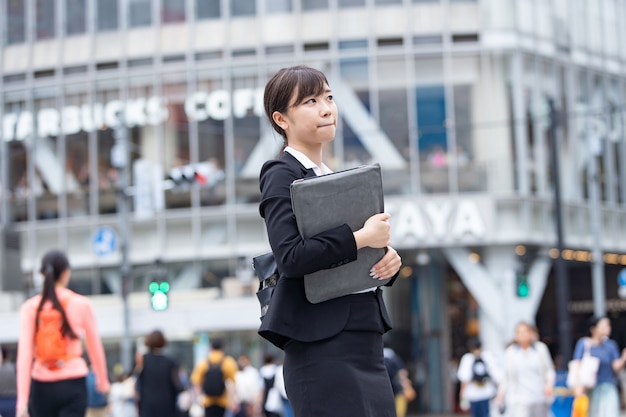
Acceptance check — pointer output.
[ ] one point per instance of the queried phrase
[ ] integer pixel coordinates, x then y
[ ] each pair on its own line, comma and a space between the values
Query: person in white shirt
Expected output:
249, 387
530, 375
479, 377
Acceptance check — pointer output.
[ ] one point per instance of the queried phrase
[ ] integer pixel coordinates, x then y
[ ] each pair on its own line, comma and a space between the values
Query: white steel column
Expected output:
492, 284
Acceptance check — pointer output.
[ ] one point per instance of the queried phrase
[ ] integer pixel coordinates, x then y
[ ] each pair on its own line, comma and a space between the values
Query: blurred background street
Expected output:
132, 134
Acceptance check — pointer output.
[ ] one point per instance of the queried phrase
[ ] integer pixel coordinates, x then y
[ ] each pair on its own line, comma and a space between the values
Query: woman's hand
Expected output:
22, 412
388, 266
375, 233
579, 390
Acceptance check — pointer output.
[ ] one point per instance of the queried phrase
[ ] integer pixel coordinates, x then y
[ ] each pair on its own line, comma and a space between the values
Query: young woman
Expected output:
158, 383
529, 375
333, 362
604, 397
57, 388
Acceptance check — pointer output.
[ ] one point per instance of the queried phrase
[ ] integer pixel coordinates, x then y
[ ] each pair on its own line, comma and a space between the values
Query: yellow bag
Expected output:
580, 406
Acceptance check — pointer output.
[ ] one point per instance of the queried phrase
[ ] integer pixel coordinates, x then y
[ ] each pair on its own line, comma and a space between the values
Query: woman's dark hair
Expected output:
53, 264
303, 80
594, 320
155, 340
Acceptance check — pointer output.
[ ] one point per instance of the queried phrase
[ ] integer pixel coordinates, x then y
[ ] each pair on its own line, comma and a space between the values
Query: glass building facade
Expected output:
451, 97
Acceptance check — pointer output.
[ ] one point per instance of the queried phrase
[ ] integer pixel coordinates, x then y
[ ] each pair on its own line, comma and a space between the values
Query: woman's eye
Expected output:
330, 98
311, 100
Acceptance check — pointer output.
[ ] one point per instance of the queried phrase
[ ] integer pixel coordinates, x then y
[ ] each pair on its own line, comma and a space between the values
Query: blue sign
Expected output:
621, 278
104, 241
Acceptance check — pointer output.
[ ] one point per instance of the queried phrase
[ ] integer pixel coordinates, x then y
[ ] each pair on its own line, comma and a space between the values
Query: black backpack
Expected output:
268, 383
213, 383
480, 374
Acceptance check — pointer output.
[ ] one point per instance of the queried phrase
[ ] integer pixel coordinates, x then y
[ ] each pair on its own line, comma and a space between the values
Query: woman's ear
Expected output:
280, 120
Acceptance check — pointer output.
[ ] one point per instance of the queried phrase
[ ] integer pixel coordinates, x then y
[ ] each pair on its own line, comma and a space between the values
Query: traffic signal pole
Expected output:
561, 278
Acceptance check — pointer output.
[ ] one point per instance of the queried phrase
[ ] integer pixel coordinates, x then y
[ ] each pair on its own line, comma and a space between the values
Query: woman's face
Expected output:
312, 121
524, 335
602, 329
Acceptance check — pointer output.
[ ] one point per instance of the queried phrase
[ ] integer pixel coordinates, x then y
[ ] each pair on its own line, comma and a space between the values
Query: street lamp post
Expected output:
597, 266
120, 160
561, 278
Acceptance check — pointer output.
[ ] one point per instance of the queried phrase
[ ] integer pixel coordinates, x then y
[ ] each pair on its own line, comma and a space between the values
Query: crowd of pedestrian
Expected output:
52, 377
523, 383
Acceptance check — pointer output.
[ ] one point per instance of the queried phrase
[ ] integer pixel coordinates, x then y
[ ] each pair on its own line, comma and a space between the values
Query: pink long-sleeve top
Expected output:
80, 315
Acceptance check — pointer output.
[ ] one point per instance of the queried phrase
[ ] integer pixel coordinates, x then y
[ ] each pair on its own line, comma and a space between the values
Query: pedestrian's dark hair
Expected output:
473, 344
155, 340
217, 344
268, 358
302, 80
594, 320
53, 264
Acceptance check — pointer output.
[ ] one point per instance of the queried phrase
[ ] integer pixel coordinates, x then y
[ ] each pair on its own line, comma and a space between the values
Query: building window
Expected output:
78, 164
211, 138
351, 3
314, 4
44, 19
172, 11
433, 138
207, 9
242, 8
277, 6
16, 21
75, 23
47, 162
353, 44
431, 116
139, 13
107, 14
177, 149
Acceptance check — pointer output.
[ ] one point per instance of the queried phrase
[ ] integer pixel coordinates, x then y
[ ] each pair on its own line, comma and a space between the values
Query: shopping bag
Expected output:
580, 406
583, 372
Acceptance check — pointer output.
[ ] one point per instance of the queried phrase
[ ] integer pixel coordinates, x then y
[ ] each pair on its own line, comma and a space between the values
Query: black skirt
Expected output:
344, 375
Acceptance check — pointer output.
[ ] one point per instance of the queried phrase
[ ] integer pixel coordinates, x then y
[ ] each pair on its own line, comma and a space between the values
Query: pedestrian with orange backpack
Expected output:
51, 372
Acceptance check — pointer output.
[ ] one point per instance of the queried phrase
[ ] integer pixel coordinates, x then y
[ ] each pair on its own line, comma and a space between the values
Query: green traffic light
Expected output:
159, 301
523, 289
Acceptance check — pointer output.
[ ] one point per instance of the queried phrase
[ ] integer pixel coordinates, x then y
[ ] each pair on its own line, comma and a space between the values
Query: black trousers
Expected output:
66, 398
214, 411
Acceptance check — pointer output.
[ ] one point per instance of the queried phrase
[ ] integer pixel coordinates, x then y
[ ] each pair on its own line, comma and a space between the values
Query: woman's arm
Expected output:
618, 364
294, 255
25, 357
95, 348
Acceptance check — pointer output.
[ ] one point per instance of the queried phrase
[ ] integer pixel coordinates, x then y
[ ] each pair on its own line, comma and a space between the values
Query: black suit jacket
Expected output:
290, 315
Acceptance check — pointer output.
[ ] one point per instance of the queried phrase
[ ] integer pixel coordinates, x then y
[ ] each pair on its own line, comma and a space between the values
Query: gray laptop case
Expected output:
323, 202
